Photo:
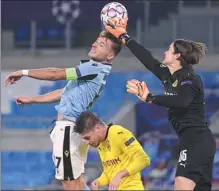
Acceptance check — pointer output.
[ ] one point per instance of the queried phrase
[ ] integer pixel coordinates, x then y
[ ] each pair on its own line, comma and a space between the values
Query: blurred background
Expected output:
59, 33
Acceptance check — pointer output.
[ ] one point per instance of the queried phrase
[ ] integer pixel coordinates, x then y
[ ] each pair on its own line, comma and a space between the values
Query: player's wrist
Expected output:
150, 98
123, 173
125, 38
25, 72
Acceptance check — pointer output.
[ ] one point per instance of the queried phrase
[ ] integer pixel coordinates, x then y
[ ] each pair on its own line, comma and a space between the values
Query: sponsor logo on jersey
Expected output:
112, 162
170, 93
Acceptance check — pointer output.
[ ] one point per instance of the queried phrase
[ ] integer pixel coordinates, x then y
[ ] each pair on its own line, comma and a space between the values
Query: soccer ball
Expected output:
113, 10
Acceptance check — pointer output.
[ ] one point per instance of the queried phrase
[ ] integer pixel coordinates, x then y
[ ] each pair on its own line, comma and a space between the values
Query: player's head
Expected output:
105, 48
91, 127
184, 53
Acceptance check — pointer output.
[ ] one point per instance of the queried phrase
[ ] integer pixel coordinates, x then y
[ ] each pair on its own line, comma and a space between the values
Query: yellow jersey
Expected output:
120, 151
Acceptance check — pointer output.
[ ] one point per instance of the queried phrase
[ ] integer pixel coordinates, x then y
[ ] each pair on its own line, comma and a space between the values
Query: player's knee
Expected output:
77, 184
67, 185
182, 183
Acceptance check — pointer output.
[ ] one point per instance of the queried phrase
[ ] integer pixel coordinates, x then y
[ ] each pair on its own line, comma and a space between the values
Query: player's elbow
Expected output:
184, 103
145, 160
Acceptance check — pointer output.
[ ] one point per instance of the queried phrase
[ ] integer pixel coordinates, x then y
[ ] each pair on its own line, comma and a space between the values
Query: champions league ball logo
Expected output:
66, 10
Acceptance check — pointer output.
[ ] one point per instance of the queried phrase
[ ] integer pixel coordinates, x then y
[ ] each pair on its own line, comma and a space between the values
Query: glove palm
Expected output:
116, 26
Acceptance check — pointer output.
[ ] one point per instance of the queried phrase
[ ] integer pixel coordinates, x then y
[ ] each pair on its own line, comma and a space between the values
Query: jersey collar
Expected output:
108, 131
104, 63
181, 72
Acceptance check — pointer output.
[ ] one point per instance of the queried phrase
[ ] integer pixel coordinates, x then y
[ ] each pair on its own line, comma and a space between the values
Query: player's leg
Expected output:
195, 158
207, 168
69, 167
183, 183
205, 181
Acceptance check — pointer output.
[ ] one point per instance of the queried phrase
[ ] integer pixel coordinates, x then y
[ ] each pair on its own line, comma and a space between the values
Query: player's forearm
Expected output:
123, 173
172, 101
140, 161
143, 55
50, 74
103, 180
49, 97
182, 100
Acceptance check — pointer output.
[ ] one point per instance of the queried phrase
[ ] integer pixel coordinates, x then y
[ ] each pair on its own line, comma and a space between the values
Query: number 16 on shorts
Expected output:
183, 158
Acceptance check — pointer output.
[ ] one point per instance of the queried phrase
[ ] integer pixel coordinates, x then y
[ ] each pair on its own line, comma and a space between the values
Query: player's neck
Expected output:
174, 68
106, 61
105, 133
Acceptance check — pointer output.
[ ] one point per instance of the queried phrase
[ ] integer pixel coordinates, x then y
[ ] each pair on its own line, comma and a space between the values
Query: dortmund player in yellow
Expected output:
121, 154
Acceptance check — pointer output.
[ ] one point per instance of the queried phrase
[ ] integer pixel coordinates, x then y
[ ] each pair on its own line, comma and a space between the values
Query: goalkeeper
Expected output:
184, 99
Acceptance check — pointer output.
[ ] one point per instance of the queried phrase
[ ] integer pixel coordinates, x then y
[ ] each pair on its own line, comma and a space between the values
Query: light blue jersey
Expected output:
79, 95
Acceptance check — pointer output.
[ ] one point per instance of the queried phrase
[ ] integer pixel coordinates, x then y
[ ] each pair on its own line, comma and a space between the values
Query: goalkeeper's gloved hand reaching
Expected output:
117, 27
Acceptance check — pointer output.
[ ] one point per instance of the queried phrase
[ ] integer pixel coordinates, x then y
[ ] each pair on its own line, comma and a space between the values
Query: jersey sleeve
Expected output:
129, 145
188, 90
87, 69
146, 58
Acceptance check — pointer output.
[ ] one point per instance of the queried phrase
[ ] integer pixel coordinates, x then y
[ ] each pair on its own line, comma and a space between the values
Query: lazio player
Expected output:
86, 82
121, 154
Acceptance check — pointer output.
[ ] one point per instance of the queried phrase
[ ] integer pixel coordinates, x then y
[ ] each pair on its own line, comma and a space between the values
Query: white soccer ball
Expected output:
113, 10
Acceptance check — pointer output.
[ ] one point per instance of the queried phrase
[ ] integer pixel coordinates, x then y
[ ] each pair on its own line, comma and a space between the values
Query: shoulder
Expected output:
192, 79
118, 130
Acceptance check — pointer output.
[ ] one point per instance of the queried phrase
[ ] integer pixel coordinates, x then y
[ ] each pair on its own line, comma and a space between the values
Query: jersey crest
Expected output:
174, 84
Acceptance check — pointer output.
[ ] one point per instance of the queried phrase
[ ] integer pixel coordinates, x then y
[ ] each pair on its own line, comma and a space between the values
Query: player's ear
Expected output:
177, 56
110, 56
97, 127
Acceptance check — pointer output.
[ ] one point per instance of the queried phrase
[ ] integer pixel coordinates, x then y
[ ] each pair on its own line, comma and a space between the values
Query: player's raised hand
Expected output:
95, 185
13, 77
116, 26
138, 88
143, 91
21, 100
132, 86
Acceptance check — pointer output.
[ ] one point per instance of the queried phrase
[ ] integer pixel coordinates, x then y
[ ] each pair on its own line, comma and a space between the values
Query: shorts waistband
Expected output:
65, 123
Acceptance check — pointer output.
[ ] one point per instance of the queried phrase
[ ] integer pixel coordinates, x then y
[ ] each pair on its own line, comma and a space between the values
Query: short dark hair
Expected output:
87, 122
191, 51
117, 43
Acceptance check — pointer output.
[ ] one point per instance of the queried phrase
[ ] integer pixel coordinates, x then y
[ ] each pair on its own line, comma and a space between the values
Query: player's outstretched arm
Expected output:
50, 74
118, 29
187, 92
46, 98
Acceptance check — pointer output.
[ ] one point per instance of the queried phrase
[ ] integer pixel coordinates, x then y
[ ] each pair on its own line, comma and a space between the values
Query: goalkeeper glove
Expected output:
117, 27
